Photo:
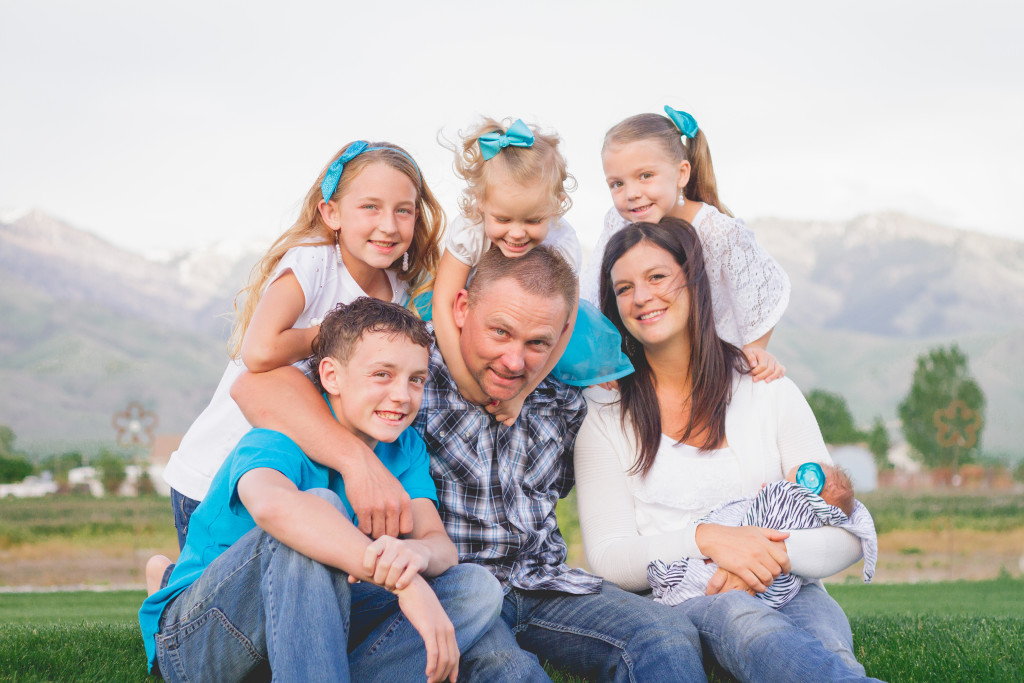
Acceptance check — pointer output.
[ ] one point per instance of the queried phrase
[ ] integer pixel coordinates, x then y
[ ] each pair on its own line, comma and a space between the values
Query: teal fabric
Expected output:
424, 304
594, 354
221, 519
686, 124
518, 135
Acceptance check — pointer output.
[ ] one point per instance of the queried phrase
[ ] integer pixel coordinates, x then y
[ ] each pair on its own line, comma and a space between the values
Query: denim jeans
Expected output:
183, 507
754, 642
263, 607
609, 636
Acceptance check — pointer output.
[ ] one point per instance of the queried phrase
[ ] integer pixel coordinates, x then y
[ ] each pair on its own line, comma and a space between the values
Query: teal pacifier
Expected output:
811, 476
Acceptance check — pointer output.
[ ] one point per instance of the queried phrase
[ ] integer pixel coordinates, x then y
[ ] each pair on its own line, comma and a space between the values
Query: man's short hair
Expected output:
541, 271
346, 324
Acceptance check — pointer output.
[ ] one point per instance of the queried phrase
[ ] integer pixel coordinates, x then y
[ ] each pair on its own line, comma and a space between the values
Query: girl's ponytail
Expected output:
702, 186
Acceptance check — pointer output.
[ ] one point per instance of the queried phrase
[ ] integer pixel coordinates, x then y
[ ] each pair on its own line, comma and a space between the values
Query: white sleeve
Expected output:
563, 239
817, 553
467, 242
758, 286
613, 546
591, 278
310, 265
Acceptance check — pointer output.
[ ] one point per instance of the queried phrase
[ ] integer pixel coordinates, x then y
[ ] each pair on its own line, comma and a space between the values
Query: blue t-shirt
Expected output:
221, 519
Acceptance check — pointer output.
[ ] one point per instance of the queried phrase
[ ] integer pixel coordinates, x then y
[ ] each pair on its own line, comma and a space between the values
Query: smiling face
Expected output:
644, 181
376, 393
375, 218
507, 335
516, 217
651, 295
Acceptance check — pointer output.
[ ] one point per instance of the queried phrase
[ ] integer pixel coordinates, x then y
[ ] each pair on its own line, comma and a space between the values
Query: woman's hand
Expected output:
724, 581
763, 365
421, 607
754, 554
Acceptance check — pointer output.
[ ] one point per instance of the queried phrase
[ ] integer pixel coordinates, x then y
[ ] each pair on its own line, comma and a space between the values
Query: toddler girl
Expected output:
514, 200
652, 172
369, 226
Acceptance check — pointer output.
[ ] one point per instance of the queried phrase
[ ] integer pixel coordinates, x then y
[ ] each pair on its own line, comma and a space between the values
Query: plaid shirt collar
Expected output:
497, 486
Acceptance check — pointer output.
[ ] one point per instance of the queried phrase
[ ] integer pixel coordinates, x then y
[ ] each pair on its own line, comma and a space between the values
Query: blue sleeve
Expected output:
264, 448
415, 478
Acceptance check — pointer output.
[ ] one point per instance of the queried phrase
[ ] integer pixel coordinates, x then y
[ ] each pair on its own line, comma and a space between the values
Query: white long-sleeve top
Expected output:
749, 289
628, 521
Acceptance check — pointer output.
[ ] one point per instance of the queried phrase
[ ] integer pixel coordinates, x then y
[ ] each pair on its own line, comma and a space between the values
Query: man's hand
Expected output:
378, 499
754, 554
724, 581
393, 562
423, 610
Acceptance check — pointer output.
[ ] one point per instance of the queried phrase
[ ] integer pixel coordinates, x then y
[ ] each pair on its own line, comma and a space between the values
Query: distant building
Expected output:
858, 461
85, 477
31, 487
159, 455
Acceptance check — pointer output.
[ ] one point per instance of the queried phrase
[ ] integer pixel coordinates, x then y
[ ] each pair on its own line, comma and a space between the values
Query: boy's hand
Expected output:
423, 610
763, 365
506, 412
393, 562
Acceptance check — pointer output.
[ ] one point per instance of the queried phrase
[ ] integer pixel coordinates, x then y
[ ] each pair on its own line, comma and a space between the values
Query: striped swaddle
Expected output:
779, 505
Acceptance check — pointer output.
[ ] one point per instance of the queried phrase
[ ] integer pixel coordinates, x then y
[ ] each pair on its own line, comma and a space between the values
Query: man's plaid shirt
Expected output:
497, 486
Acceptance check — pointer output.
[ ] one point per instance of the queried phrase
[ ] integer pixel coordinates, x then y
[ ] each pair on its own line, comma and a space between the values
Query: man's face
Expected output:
507, 336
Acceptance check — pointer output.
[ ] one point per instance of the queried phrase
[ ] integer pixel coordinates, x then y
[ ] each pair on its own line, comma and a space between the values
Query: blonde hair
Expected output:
702, 186
542, 161
310, 229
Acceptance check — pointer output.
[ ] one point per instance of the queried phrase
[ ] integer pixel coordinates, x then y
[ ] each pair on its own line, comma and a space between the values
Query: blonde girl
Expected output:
515, 197
368, 226
658, 166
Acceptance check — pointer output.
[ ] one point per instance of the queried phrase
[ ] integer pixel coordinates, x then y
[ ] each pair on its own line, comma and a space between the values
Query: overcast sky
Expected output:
168, 125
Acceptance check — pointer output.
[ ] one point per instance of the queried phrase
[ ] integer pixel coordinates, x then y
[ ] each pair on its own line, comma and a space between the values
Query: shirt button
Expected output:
441, 434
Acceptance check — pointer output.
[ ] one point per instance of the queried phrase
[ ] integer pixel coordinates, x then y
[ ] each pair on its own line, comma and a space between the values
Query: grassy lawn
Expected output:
943, 631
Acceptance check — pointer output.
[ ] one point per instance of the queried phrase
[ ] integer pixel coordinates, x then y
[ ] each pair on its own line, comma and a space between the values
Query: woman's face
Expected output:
651, 295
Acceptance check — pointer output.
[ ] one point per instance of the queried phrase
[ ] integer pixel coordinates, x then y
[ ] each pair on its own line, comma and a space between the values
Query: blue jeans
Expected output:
263, 607
754, 642
183, 507
609, 636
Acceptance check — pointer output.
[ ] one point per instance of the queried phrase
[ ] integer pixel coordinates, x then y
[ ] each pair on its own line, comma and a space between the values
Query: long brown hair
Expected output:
702, 186
712, 361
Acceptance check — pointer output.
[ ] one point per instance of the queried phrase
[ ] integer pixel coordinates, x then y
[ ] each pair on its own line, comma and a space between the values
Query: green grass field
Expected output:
927, 632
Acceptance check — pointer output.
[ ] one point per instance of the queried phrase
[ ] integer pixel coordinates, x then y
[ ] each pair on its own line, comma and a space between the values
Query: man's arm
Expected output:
285, 401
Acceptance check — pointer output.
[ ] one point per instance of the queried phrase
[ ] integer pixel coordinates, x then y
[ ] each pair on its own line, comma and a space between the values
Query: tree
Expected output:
878, 444
111, 469
14, 466
943, 383
834, 418
61, 464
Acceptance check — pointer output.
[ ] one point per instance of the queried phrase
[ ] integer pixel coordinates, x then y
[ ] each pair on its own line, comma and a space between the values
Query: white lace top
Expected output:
749, 289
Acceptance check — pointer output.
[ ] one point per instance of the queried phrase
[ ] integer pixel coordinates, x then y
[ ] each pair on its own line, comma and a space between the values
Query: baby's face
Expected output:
791, 476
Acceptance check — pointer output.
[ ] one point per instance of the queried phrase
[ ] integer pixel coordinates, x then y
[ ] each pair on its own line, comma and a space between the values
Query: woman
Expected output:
689, 431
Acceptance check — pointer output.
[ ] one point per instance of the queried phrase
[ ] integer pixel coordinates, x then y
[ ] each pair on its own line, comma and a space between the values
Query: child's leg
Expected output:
183, 507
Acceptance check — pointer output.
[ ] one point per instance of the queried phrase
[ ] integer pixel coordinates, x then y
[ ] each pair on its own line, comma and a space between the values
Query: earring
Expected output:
337, 246
405, 261
682, 197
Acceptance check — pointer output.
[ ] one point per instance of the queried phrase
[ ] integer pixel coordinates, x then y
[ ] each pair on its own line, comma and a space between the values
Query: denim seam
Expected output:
587, 633
198, 603
398, 619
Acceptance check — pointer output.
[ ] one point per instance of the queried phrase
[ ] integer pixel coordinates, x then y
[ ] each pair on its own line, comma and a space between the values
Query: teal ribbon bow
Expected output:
518, 135
811, 476
334, 171
686, 124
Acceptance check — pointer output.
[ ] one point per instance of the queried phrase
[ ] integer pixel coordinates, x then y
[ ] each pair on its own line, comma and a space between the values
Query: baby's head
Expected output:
837, 487
371, 357
516, 183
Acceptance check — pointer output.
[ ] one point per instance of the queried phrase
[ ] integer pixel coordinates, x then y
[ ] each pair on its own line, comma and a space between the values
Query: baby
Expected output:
812, 495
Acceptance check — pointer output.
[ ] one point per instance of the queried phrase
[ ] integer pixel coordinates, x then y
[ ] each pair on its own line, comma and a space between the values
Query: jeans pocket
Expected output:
208, 647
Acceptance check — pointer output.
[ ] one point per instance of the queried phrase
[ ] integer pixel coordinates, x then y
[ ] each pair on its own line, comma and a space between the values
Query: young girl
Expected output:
514, 200
369, 226
656, 167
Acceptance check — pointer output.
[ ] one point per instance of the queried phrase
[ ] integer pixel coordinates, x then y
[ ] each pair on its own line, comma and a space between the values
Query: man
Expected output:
498, 485
274, 573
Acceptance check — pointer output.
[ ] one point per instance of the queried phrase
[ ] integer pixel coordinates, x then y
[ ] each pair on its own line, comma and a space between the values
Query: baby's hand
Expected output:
724, 580
506, 412
763, 365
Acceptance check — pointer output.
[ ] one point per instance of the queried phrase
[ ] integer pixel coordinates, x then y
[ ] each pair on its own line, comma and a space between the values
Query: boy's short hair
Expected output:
346, 324
838, 489
540, 271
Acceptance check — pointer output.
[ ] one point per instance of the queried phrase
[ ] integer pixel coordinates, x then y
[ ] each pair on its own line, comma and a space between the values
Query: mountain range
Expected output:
88, 327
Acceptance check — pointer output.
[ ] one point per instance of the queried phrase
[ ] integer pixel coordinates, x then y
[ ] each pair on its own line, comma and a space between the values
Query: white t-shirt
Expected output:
749, 289
325, 283
468, 243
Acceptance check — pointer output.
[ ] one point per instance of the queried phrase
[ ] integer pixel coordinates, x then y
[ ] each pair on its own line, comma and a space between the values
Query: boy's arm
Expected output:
452, 275
285, 401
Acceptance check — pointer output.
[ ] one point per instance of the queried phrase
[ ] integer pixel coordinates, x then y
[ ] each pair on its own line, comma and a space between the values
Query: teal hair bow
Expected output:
686, 124
334, 171
811, 476
518, 135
